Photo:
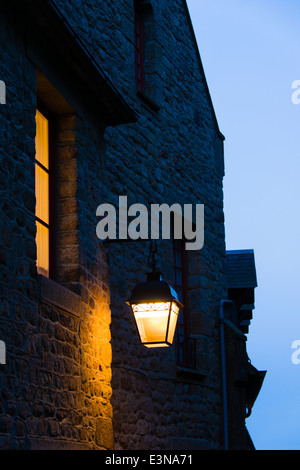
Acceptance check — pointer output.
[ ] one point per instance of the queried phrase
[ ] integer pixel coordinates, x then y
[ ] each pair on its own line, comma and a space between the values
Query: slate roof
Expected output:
240, 268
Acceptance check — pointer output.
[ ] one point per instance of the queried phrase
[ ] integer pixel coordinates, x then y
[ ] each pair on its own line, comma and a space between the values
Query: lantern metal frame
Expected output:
156, 291
153, 291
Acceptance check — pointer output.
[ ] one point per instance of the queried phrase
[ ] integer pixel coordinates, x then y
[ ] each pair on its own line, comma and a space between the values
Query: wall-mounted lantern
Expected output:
155, 307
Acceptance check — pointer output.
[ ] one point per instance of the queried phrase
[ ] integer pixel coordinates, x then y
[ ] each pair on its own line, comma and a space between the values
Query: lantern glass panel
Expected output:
173, 322
152, 321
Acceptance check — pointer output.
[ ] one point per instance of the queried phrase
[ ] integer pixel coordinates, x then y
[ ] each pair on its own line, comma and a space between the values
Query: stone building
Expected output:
102, 100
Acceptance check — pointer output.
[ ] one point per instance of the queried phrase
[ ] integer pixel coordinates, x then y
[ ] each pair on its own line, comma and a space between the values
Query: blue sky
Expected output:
250, 53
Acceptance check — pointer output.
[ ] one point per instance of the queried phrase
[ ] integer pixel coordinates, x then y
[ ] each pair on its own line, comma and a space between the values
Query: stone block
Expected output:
61, 297
104, 433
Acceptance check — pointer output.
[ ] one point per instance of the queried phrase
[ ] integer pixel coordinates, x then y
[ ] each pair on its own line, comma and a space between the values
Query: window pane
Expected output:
178, 258
178, 278
42, 140
42, 244
179, 293
42, 194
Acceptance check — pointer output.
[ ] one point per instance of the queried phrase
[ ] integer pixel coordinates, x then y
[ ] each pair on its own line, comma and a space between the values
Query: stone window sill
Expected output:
191, 374
59, 296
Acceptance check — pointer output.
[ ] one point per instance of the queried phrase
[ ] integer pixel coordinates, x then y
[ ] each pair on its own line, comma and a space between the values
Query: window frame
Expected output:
138, 46
184, 344
44, 110
184, 284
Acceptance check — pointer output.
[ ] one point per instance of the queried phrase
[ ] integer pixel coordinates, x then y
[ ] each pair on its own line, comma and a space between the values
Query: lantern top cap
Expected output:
155, 289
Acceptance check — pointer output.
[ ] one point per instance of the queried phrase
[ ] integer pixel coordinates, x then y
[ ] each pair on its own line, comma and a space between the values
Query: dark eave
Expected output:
45, 26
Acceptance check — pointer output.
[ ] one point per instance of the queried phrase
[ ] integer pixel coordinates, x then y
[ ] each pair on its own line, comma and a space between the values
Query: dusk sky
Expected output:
250, 53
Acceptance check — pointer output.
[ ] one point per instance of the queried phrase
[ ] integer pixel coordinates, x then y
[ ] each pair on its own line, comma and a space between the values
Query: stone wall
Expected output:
156, 160
55, 388
58, 389
19, 285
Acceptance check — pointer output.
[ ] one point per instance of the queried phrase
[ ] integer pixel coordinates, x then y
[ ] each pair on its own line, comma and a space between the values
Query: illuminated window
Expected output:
42, 193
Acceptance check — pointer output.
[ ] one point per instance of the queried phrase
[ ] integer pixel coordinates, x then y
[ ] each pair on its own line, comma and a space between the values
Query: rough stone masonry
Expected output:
76, 376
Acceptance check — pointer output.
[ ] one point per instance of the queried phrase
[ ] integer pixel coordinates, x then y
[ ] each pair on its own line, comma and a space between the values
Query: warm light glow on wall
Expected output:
42, 193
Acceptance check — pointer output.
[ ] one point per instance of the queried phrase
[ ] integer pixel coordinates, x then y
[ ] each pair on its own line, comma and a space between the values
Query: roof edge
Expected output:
239, 252
202, 69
